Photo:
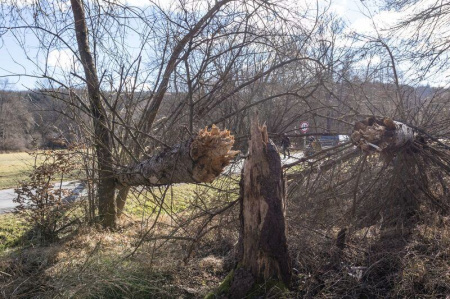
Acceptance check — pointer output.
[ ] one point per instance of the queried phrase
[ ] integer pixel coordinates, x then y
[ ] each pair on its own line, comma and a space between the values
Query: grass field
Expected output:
13, 168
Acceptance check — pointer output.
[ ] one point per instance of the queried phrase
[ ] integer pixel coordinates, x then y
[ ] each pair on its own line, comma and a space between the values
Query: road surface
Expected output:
8, 195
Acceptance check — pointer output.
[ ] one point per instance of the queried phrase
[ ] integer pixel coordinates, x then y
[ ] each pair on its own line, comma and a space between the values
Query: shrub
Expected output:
42, 201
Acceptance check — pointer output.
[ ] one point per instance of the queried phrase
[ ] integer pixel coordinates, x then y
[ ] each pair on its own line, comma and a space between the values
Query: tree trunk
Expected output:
121, 199
263, 257
200, 159
106, 183
382, 135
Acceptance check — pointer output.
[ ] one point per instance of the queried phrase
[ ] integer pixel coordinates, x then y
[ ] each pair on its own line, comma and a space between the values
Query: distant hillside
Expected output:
34, 119
30, 120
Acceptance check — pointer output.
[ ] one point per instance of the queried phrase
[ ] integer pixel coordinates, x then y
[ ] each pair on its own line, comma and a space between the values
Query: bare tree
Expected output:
189, 64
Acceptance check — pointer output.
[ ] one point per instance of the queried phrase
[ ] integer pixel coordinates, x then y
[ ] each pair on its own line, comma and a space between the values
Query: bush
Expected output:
41, 200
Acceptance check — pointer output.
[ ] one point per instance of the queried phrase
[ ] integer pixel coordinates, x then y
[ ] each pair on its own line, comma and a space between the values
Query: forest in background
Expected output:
32, 120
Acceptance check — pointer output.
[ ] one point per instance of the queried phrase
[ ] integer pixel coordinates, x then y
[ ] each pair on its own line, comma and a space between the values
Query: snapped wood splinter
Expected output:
381, 135
198, 160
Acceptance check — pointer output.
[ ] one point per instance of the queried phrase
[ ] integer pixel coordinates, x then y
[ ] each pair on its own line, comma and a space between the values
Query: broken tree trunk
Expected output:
263, 258
381, 135
199, 159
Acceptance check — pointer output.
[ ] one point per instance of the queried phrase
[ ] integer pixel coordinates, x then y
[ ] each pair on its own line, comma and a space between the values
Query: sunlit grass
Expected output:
16, 167
181, 197
12, 228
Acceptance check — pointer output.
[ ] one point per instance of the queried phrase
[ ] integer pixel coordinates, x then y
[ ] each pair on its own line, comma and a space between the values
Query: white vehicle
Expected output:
344, 139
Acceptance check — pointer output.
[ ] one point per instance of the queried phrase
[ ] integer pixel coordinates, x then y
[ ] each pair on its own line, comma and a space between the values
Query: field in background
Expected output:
13, 168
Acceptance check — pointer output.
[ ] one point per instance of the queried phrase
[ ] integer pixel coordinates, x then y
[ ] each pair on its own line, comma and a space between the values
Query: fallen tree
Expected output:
198, 160
381, 135
381, 202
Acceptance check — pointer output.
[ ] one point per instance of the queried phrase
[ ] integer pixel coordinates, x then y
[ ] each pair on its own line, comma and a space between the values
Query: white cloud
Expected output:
374, 25
370, 61
62, 5
339, 8
61, 59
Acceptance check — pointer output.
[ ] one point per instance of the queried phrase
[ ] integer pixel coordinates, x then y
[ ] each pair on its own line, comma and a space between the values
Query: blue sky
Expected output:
15, 64
14, 61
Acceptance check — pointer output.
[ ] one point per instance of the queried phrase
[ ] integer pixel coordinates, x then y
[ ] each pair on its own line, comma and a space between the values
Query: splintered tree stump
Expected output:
262, 256
198, 160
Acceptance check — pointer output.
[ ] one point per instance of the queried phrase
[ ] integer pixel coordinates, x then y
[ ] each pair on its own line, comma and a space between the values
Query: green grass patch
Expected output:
174, 197
181, 197
12, 229
14, 167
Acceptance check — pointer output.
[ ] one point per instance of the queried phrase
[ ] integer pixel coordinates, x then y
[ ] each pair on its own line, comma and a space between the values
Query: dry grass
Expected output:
371, 265
93, 264
397, 240
185, 256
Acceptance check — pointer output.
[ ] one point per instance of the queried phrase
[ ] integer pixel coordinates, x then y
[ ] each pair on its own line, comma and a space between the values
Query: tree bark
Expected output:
106, 183
262, 248
121, 199
381, 135
199, 159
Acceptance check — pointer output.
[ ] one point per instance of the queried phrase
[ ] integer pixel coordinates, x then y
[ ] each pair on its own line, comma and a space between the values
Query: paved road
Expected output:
7, 195
236, 167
